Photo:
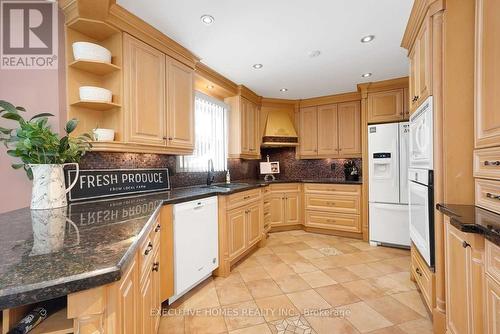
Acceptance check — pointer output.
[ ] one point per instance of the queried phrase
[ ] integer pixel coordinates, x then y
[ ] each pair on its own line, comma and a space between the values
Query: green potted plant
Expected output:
42, 153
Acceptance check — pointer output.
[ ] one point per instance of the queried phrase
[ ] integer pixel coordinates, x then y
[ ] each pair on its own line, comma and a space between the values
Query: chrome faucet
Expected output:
211, 174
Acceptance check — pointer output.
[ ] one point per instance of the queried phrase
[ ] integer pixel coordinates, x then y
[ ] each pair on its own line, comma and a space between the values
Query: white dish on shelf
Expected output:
95, 94
91, 51
104, 134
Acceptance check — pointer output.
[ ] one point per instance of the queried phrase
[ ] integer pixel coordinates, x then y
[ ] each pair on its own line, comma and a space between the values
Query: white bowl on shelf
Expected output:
95, 94
104, 134
91, 51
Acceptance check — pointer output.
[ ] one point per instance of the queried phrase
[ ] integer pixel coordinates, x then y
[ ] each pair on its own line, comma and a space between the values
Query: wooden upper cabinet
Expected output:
244, 128
487, 109
180, 105
309, 131
144, 92
349, 125
327, 124
386, 106
421, 67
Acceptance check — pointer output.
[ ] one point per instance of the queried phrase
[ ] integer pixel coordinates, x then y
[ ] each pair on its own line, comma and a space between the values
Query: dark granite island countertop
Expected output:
87, 244
473, 219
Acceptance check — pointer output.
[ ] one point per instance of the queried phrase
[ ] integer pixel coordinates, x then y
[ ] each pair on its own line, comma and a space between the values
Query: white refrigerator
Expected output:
388, 146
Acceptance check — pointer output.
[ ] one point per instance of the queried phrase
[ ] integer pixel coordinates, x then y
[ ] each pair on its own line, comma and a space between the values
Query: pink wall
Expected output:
38, 91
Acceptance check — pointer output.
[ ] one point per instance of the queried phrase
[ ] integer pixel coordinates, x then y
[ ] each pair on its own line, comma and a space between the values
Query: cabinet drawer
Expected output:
333, 221
423, 276
285, 187
488, 194
154, 235
493, 260
333, 203
487, 163
243, 198
335, 189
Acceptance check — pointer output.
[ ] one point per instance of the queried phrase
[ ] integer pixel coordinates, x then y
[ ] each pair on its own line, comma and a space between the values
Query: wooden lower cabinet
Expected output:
424, 277
333, 207
285, 204
241, 226
236, 222
464, 276
492, 296
131, 305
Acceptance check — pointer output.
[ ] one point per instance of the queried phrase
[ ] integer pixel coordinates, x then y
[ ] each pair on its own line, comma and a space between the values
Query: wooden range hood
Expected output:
279, 131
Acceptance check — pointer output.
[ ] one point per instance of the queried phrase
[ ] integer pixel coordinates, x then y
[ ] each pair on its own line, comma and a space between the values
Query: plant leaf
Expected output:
21, 108
17, 166
12, 116
5, 131
7, 106
71, 125
12, 153
45, 114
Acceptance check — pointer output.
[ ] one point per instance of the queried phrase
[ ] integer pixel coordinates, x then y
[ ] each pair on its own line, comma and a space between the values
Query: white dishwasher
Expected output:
196, 243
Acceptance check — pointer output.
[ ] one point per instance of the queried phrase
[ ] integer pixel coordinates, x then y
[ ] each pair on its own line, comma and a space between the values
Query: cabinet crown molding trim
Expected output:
248, 94
330, 99
380, 86
419, 11
216, 78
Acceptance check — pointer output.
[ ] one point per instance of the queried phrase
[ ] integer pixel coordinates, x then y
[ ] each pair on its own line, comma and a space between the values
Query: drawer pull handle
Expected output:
418, 272
246, 197
330, 203
149, 248
465, 244
492, 163
156, 266
157, 228
331, 220
493, 196
332, 189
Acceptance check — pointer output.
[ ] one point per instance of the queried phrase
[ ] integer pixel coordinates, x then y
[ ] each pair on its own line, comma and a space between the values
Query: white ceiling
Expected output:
280, 34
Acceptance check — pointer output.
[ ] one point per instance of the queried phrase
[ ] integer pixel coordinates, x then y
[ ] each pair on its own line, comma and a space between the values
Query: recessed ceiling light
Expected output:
257, 66
366, 75
207, 19
284, 90
367, 39
210, 86
314, 53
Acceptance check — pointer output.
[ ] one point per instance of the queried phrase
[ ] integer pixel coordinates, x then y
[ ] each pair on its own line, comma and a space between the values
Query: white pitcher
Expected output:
49, 191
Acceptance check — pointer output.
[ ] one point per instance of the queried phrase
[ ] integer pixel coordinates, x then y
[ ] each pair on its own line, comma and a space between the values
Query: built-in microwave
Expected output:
421, 136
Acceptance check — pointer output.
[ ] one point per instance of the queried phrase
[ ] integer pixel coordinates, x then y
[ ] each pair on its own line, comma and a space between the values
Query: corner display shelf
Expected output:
97, 30
95, 67
96, 105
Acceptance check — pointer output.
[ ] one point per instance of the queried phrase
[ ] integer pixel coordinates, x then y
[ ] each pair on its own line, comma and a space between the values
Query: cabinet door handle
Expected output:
493, 196
149, 248
418, 272
492, 163
330, 220
156, 266
246, 197
465, 244
330, 203
157, 228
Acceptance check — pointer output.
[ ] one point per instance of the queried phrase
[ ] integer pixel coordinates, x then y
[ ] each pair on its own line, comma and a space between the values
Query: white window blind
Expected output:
210, 136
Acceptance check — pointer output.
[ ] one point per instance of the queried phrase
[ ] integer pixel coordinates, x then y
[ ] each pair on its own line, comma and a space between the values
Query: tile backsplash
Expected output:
290, 168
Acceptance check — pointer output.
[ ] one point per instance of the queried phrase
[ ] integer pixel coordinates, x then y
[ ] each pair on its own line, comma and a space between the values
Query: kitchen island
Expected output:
89, 244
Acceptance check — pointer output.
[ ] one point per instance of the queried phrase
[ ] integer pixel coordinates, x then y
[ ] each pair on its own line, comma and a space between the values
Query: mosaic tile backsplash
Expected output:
290, 168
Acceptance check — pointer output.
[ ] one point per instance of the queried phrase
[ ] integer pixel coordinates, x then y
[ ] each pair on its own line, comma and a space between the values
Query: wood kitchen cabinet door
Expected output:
180, 105
413, 80
309, 131
251, 141
424, 63
145, 306
487, 109
292, 208
492, 305
144, 92
128, 295
236, 221
327, 130
254, 224
464, 277
349, 125
385, 106
156, 282
277, 209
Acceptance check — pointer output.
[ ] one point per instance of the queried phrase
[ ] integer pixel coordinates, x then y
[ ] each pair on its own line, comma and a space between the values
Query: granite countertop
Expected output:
324, 180
87, 244
473, 219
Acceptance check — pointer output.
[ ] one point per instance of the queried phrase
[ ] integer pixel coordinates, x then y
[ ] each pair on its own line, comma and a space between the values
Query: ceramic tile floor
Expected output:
306, 283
